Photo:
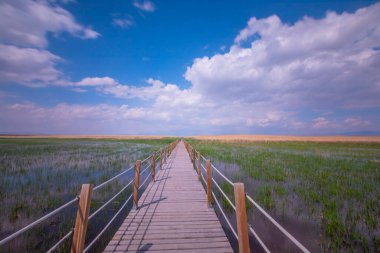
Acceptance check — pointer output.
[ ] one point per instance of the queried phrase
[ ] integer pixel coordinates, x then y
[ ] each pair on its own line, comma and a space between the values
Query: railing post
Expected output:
161, 159
199, 166
81, 221
194, 157
154, 166
208, 180
136, 184
241, 218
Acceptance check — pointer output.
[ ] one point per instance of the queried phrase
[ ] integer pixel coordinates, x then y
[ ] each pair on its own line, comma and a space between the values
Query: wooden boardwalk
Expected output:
173, 215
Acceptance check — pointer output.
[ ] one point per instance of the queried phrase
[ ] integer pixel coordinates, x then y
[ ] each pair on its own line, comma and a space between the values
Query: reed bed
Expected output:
38, 175
326, 194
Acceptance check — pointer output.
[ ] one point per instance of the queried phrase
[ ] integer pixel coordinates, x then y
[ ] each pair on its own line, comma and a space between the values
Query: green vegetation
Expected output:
38, 175
335, 185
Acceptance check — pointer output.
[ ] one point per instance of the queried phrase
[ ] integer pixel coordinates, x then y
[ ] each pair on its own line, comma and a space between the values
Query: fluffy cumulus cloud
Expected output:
96, 81
23, 29
28, 66
154, 90
315, 63
25, 23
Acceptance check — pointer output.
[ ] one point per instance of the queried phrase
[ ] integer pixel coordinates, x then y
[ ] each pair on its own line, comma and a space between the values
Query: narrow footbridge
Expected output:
175, 213
172, 214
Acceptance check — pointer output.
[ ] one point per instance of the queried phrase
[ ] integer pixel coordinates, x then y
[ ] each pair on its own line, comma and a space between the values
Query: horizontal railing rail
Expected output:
78, 233
239, 208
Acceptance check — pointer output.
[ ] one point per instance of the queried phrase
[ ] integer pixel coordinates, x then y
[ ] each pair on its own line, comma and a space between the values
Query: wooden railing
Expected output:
239, 194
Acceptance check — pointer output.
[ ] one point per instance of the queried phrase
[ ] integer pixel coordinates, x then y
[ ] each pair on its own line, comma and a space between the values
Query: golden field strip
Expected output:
115, 137
373, 139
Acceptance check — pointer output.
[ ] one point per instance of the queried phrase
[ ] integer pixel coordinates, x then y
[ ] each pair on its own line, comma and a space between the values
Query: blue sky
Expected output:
189, 67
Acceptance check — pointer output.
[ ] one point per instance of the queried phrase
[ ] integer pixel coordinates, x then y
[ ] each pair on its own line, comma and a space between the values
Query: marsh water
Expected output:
325, 194
304, 229
39, 175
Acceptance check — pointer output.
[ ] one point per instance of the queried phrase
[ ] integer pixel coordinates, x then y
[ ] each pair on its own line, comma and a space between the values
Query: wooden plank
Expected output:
181, 240
172, 246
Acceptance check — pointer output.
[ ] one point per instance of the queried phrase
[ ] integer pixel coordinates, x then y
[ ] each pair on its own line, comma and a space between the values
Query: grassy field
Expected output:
39, 174
326, 193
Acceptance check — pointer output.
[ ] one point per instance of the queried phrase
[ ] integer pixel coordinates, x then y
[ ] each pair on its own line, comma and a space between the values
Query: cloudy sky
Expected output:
189, 67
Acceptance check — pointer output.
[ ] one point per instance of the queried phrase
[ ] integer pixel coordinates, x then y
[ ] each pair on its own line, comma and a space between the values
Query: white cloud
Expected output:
322, 122
156, 91
26, 23
85, 119
357, 122
24, 26
314, 63
145, 5
96, 81
123, 23
28, 66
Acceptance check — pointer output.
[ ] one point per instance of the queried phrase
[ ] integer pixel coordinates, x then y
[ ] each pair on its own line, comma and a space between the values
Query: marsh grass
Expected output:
38, 175
331, 186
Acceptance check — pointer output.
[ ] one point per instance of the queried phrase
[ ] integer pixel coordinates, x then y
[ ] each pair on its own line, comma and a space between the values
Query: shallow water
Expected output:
304, 229
39, 175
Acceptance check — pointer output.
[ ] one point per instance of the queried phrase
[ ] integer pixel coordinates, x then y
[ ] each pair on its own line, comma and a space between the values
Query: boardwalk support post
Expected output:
161, 159
81, 221
194, 158
208, 180
154, 166
199, 166
136, 184
241, 218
